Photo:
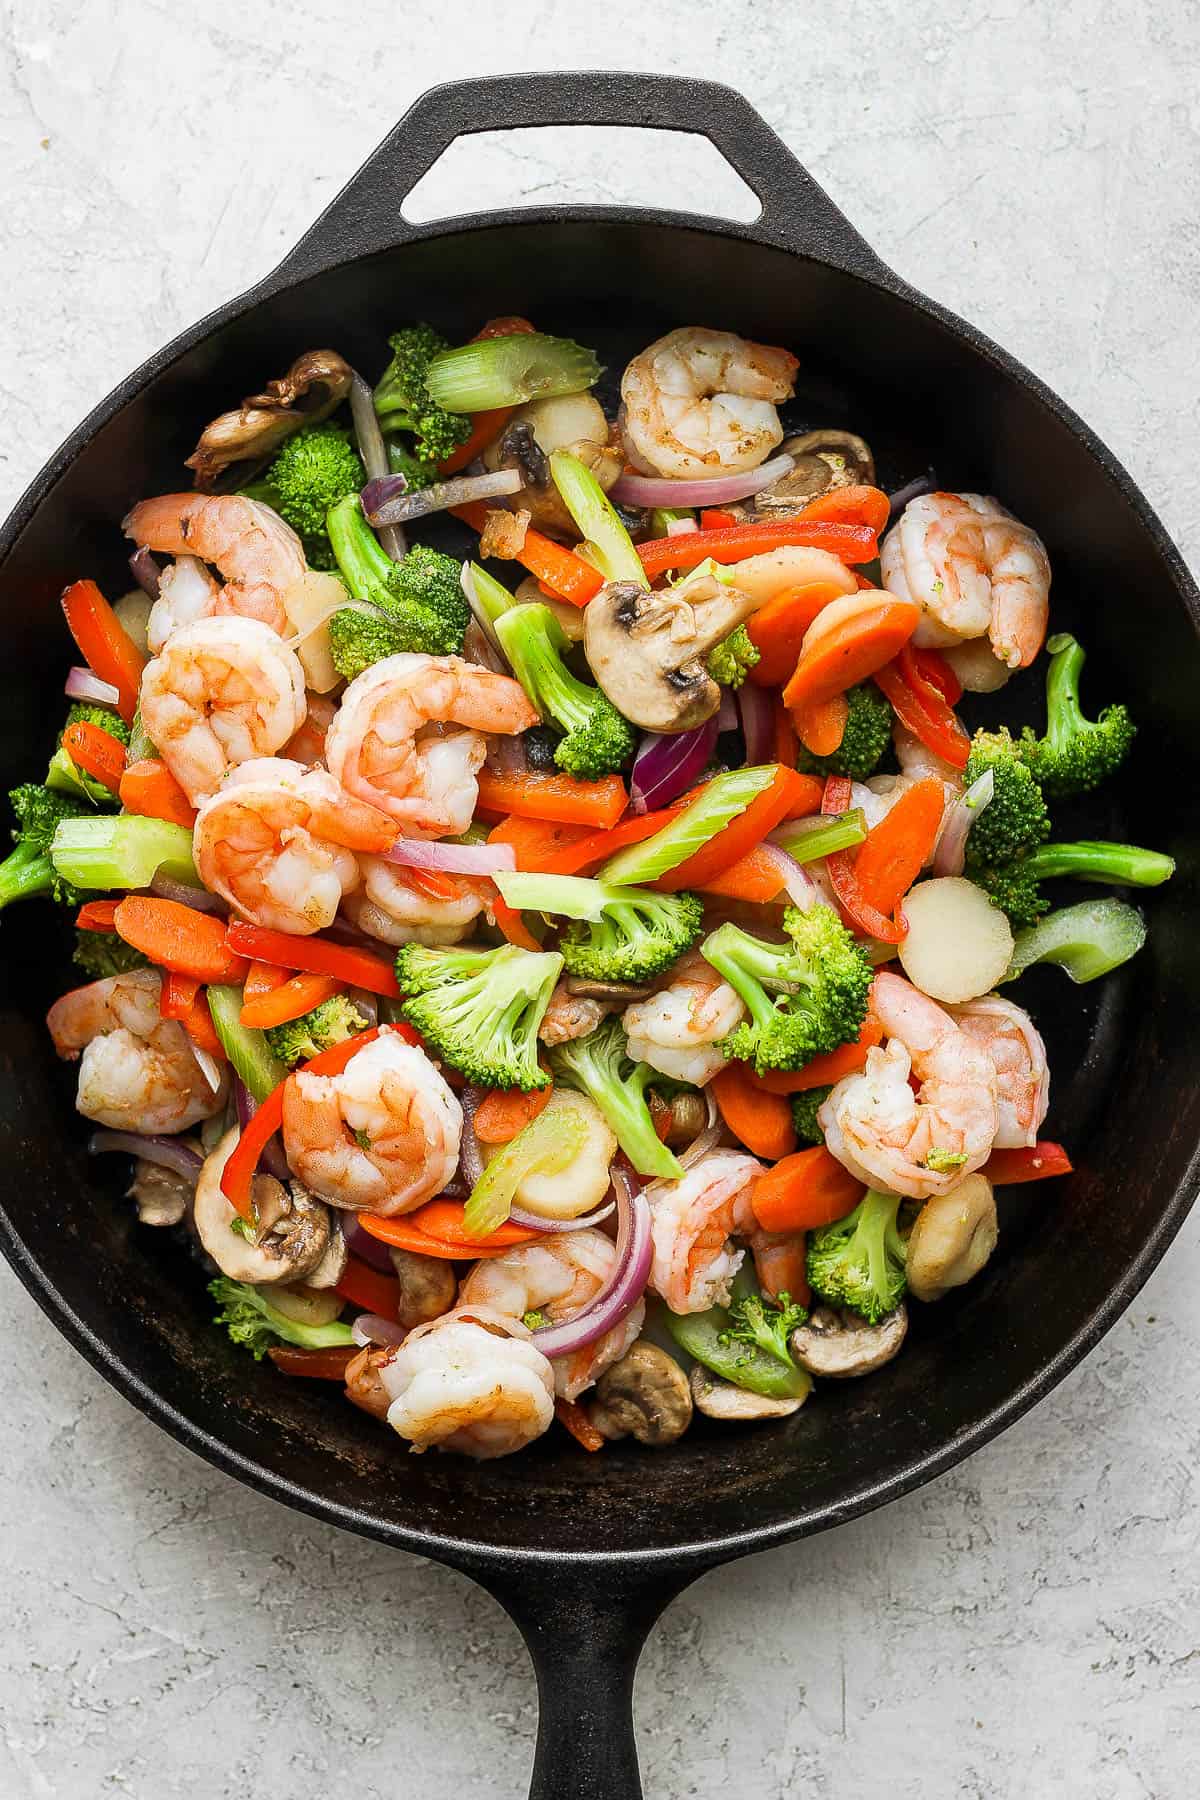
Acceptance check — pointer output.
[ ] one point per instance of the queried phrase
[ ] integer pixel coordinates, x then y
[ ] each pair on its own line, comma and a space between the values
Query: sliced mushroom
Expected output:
573, 422
305, 1304
952, 1238
719, 1399
647, 650
825, 459
838, 1343
623, 991
428, 1287
294, 1229
332, 1266
644, 1395
163, 1196
317, 382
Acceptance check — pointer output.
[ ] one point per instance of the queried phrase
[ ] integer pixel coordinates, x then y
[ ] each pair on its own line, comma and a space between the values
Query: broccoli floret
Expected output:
867, 735
1015, 818
860, 1261
418, 471
752, 1320
253, 1322
101, 953
730, 661
1076, 753
615, 933
28, 870
402, 398
480, 1010
598, 738
330, 1023
805, 997
1016, 886
65, 775
805, 1108
417, 604
600, 1066
315, 468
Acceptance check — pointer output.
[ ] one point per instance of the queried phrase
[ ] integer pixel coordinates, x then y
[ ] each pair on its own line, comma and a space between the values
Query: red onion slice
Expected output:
950, 853
82, 684
620, 1293
368, 1249
383, 505
198, 898
534, 1221
145, 571
912, 490
373, 451
720, 490
452, 859
166, 1152
801, 889
210, 1068
758, 723
667, 765
371, 1329
466, 581
470, 1156
727, 713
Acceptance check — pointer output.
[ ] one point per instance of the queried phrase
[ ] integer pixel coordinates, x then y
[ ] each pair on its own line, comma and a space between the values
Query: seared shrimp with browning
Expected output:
413, 906
697, 403
471, 1381
258, 557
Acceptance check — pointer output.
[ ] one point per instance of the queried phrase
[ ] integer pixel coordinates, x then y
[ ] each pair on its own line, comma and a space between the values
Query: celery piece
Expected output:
247, 1049
508, 371
824, 836
124, 851
719, 801
1087, 940
662, 516
546, 1146
570, 896
491, 594
596, 517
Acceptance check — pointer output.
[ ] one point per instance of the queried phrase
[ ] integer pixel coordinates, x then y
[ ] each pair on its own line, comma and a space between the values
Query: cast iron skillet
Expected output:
584, 1552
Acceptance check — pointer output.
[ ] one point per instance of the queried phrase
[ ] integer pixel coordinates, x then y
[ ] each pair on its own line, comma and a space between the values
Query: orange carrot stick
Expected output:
178, 937
290, 1000
808, 1189
894, 852
777, 629
500, 1114
106, 646
763, 1121
149, 789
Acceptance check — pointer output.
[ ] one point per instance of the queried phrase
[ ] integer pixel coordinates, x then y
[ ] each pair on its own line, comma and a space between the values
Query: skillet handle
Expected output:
584, 1628
366, 216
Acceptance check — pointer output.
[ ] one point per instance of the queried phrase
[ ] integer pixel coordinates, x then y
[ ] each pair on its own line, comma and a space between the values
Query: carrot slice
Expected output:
178, 937
777, 629
533, 841
866, 635
444, 1219
291, 1000
894, 852
576, 1421
560, 798
804, 1191
510, 922
501, 1114
821, 725
867, 506
781, 1264
96, 915
790, 795
262, 978
149, 789
763, 1121
752, 877
197, 1022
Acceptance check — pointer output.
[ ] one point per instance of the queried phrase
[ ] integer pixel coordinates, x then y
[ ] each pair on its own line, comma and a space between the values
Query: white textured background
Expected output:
1028, 1624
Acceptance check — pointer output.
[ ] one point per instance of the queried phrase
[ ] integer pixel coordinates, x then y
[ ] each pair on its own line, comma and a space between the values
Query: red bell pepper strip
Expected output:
316, 956
1037, 1162
853, 543
824, 1071
919, 704
97, 752
104, 643
369, 1288
318, 1365
177, 995
934, 669
862, 916
287, 1000
851, 506
715, 518
178, 937
561, 798
510, 922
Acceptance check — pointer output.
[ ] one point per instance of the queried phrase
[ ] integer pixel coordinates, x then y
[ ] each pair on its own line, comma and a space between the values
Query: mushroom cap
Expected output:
317, 382
294, 1245
952, 1237
647, 649
163, 1195
826, 458
644, 1395
838, 1343
428, 1286
719, 1399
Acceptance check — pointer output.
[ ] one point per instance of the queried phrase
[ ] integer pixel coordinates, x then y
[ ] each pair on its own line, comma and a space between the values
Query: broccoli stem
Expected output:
25, 874
362, 559
1064, 715
1124, 865
752, 968
1087, 940
706, 1336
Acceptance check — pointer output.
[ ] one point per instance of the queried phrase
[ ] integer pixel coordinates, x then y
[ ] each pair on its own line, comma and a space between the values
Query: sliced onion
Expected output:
167, 1152
452, 859
82, 684
681, 527
707, 1140
481, 651
373, 451
758, 723
912, 490
666, 765
470, 1156
950, 853
653, 490
272, 1161
466, 581
368, 1249
145, 571
620, 1293
386, 504
535, 1222
370, 1329
801, 889
198, 898
727, 714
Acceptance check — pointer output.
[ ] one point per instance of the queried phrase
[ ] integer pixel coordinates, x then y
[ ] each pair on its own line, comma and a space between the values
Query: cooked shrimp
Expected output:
382, 1136
1013, 1042
308, 745
257, 555
221, 692
137, 1071
558, 1278
409, 906
276, 843
186, 592
974, 570
691, 1225
470, 1381
389, 743
698, 403
887, 1135
678, 1030
570, 1016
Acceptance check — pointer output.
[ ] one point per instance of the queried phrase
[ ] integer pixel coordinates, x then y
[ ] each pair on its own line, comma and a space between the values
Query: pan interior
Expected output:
1124, 1091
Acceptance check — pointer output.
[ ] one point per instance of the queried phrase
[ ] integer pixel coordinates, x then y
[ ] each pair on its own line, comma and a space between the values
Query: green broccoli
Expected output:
752, 1320
617, 933
730, 661
1015, 818
805, 997
314, 469
330, 1023
417, 470
598, 739
805, 1108
600, 1066
64, 775
860, 1261
417, 604
101, 953
402, 400
255, 1324
1076, 753
1016, 886
480, 1010
28, 870
867, 735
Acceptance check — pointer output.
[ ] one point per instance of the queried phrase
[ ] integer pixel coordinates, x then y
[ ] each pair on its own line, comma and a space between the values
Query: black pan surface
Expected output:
585, 1551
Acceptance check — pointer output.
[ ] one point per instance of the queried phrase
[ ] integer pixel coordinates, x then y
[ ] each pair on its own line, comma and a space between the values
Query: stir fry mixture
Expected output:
586, 994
